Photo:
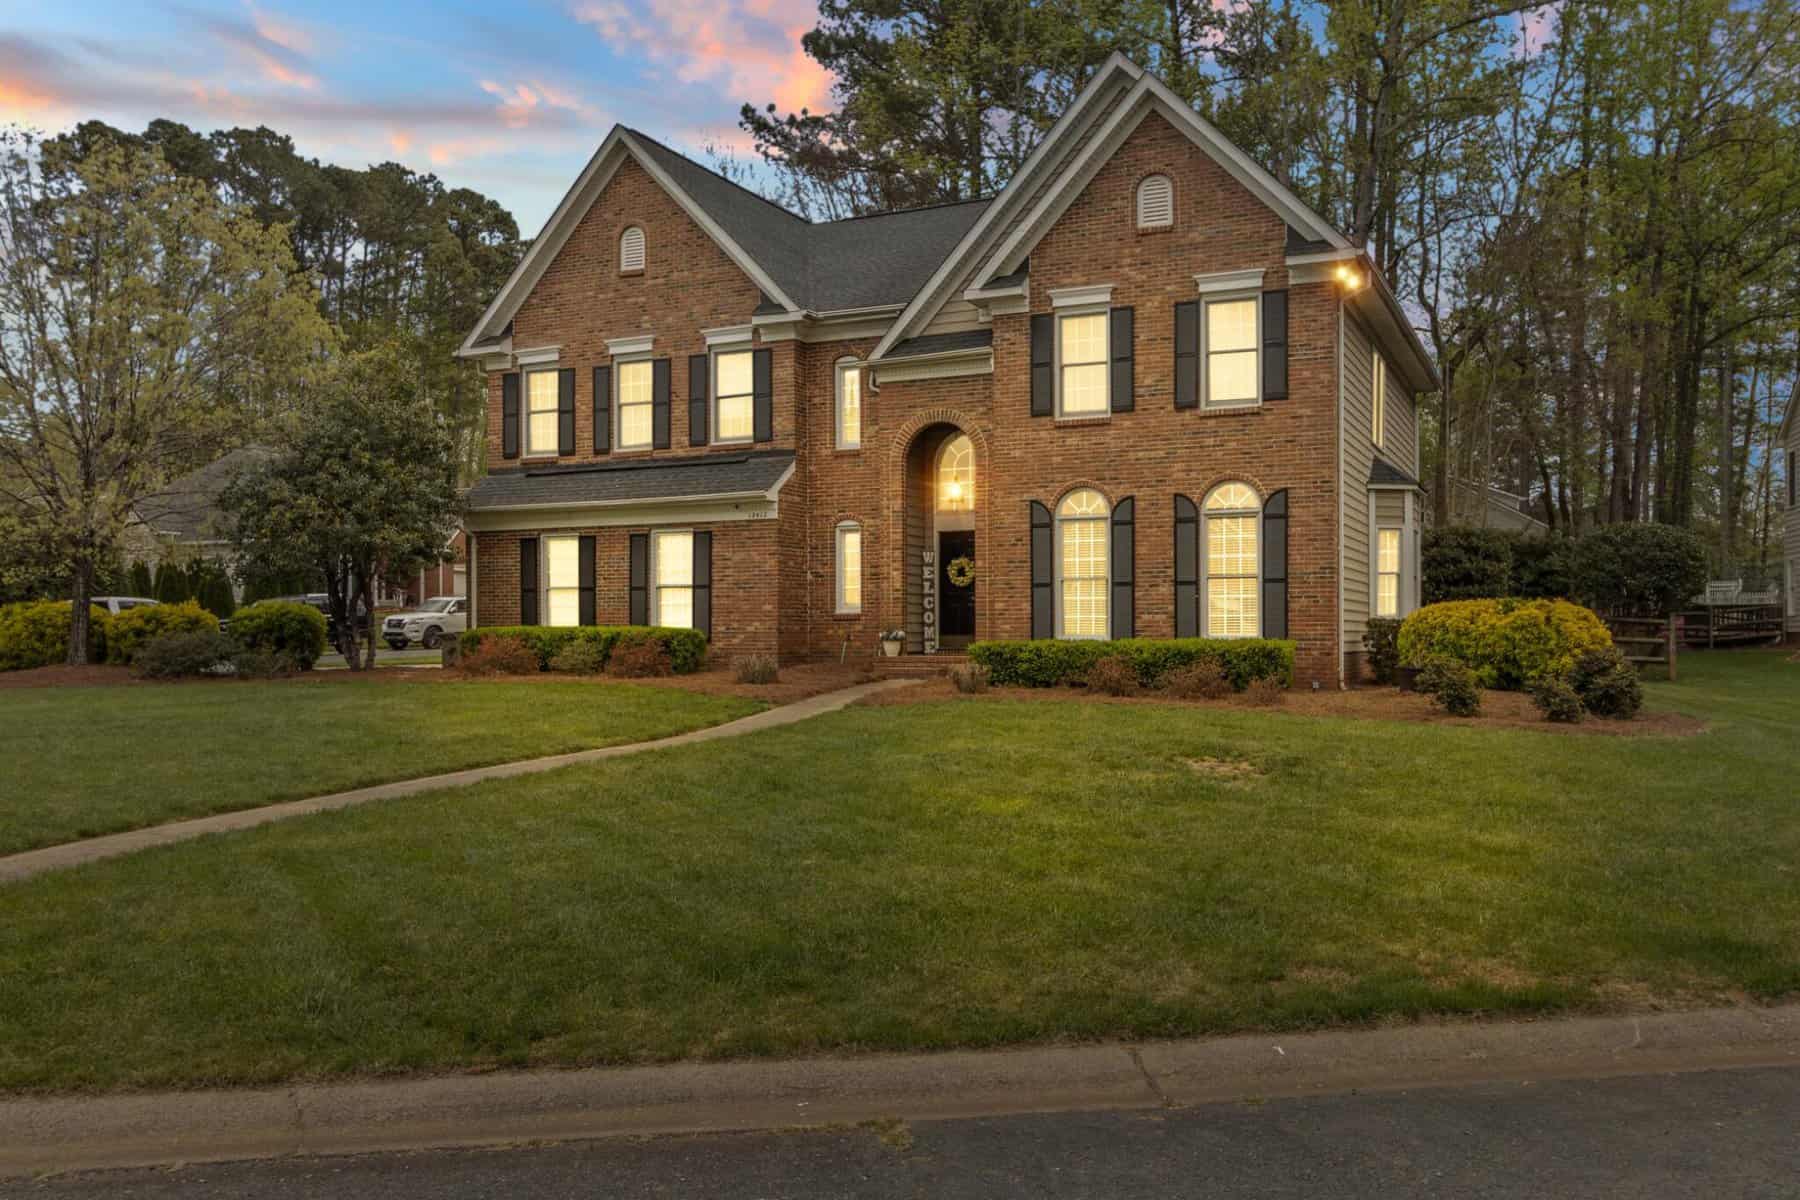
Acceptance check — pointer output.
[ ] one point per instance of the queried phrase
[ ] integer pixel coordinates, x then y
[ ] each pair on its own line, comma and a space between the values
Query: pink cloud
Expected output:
1536, 28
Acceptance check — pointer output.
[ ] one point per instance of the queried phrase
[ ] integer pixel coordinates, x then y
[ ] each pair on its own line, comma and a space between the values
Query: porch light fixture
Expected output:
1350, 277
954, 491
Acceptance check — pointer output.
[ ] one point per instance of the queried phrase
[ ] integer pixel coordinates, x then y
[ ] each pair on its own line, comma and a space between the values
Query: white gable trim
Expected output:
587, 188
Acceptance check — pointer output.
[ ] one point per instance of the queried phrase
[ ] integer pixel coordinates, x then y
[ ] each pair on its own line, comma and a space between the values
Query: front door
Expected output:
956, 602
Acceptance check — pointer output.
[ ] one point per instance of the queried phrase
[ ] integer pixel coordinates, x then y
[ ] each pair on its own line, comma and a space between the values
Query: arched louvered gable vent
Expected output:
631, 250
1155, 202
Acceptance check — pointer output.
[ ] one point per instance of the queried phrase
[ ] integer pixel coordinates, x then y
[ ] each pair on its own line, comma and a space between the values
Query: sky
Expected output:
507, 98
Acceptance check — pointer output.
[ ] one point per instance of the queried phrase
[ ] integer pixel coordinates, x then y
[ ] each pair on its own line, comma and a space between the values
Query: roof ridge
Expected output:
898, 212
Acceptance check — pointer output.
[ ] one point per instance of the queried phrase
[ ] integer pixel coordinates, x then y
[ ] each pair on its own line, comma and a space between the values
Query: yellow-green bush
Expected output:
135, 628
35, 633
1505, 642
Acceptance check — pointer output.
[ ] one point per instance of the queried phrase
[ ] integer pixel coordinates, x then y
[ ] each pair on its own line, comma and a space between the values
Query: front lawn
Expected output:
962, 873
82, 761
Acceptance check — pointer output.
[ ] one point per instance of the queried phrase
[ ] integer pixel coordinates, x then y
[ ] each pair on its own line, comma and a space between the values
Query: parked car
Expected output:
426, 624
118, 604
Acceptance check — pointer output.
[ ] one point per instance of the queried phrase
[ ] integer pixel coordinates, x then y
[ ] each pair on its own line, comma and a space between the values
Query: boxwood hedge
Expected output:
1046, 663
133, 629
686, 647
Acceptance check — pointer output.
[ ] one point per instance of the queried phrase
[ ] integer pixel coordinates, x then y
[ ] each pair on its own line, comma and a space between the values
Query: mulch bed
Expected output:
65, 676
1499, 710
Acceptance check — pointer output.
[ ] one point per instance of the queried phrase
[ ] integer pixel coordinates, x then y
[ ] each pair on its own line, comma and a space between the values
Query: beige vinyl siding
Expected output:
1358, 453
1402, 448
957, 316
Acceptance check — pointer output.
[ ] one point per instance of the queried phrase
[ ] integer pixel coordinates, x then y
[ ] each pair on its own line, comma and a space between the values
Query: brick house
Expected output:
1129, 395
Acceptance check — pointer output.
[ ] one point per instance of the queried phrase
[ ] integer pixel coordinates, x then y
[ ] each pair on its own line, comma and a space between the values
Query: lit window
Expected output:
1233, 607
1155, 202
1081, 521
636, 405
1082, 351
631, 250
541, 412
956, 475
562, 581
1231, 374
849, 405
1387, 573
849, 568
1378, 400
736, 407
673, 555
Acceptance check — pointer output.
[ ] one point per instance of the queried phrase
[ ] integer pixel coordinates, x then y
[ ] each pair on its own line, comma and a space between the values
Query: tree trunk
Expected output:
366, 599
81, 593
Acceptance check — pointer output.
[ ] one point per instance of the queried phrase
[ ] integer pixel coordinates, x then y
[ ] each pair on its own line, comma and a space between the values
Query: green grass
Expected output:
959, 874
93, 760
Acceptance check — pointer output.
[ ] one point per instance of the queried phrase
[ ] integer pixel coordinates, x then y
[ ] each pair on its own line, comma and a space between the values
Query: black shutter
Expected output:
1275, 567
1043, 573
1121, 336
1187, 354
703, 582
640, 579
586, 578
1187, 568
602, 410
1124, 562
1274, 346
659, 404
1043, 352
509, 415
762, 388
699, 365
528, 587
565, 411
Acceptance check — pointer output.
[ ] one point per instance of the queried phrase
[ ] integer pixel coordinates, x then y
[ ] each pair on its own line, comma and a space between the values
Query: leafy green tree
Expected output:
141, 582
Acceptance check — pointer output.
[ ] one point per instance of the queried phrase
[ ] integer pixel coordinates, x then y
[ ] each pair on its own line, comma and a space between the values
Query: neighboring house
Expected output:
1144, 390
1493, 507
183, 521
447, 578
1789, 443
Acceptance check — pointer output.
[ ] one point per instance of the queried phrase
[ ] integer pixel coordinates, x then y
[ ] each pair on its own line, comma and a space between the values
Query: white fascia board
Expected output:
1392, 329
925, 304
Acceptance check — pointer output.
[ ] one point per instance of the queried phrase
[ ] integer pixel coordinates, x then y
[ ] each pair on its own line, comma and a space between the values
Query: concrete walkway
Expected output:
70, 854
506, 1108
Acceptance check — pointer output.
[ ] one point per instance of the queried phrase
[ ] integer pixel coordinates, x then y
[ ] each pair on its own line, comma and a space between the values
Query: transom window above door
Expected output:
956, 475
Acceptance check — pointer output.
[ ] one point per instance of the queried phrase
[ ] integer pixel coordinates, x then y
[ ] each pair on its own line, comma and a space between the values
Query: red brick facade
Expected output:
774, 579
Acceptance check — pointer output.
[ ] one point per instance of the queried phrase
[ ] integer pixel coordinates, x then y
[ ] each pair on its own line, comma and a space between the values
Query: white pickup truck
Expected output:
426, 624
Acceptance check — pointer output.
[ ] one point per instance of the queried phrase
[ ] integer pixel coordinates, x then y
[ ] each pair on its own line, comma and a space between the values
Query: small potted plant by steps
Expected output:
892, 641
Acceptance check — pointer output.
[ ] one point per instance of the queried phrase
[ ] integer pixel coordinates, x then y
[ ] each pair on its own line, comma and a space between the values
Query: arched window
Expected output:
1232, 555
631, 250
1155, 202
956, 475
1081, 528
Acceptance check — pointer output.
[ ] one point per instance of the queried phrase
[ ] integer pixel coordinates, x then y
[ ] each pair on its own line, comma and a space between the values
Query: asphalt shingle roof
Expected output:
1384, 472
942, 343
188, 508
688, 477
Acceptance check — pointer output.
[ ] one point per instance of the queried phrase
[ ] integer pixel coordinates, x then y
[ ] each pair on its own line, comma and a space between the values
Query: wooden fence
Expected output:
1716, 624
1652, 640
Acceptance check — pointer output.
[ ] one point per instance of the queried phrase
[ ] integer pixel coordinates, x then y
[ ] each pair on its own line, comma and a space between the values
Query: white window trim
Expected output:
1226, 297
1377, 398
713, 355
839, 604
654, 616
555, 448
537, 356
839, 441
1229, 281
727, 335
1088, 310
1399, 572
1206, 574
544, 585
625, 346
1167, 183
1087, 296
1056, 554
618, 408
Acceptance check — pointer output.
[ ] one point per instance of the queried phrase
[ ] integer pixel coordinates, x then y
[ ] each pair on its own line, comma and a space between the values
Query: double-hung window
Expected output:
636, 405
1233, 603
672, 566
1081, 530
541, 394
849, 567
735, 405
849, 405
1232, 368
1378, 399
562, 580
1387, 572
1081, 364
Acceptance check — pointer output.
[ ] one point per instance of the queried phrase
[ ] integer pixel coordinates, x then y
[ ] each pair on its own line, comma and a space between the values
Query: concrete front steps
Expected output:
917, 666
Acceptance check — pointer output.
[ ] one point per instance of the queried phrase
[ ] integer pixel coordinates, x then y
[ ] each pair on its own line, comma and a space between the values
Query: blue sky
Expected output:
509, 99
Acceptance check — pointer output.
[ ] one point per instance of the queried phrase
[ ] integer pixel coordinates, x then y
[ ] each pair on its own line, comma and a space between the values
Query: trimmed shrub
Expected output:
1648, 569
499, 656
1556, 699
35, 633
1452, 685
1047, 663
1505, 642
1462, 562
187, 655
1113, 676
639, 657
130, 630
261, 664
584, 657
1607, 684
757, 668
1203, 680
969, 678
284, 627
1265, 693
1381, 638
1541, 567
686, 648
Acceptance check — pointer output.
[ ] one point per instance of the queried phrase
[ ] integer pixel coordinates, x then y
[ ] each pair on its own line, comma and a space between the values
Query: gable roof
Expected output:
187, 509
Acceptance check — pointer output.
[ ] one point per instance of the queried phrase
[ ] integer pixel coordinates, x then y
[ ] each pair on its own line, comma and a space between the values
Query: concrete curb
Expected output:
40, 1136
69, 854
